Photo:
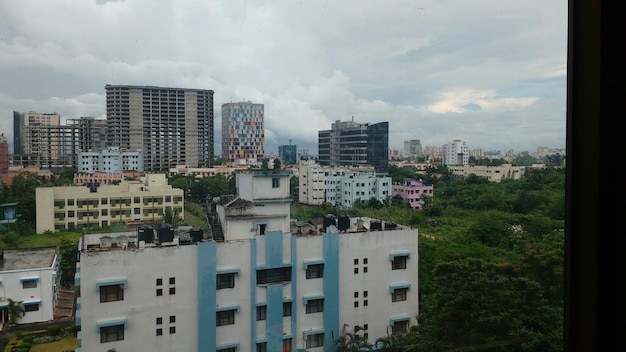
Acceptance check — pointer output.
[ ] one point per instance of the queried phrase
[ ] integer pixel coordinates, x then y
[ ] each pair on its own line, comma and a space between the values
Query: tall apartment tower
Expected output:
455, 153
413, 147
243, 133
23, 121
171, 126
4, 154
349, 143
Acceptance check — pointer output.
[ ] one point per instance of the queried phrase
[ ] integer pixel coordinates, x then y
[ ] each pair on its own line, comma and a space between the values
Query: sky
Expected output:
489, 72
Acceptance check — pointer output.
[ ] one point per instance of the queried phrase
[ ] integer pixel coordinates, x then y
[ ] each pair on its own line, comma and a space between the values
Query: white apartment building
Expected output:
455, 153
312, 180
110, 160
253, 286
344, 190
491, 173
32, 277
77, 207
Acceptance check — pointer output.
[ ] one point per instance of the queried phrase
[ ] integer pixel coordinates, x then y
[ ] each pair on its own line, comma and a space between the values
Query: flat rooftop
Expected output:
24, 259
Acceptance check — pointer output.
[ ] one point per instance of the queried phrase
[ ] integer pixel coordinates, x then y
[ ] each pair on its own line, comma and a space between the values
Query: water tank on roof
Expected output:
196, 234
376, 225
329, 219
343, 223
145, 233
166, 233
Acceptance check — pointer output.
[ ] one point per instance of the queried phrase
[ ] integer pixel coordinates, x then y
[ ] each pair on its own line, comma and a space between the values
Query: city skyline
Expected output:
494, 78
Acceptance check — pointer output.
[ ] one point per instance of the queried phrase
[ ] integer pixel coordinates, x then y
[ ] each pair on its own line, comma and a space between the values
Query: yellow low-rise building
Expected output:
95, 205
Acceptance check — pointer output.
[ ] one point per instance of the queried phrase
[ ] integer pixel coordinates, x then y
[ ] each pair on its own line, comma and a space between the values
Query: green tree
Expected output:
16, 311
277, 164
352, 342
68, 251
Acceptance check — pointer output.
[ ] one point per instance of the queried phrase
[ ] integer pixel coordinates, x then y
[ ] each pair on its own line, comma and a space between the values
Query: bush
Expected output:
28, 338
54, 330
46, 339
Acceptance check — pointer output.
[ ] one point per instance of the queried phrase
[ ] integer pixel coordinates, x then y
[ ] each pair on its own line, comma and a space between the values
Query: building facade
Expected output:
111, 160
288, 154
348, 143
4, 154
312, 179
343, 191
243, 133
412, 191
171, 126
94, 205
32, 277
455, 153
254, 285
412, 147
491, 173
92, 133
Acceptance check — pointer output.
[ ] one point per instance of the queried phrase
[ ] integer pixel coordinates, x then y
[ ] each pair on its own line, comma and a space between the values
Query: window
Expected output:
159, 321
400, 326
225, 281
287, 345
226, 317
70, 202
172, 290
172, 318
315, 271
315, 340
364, 260
159, 332
364, 293
159, 292
286, 309
136, 200
356, 294
364, 269
228, 349
172, 329
399, 262
272, 276
70, 214
399, 294
356, 304
365, 303
261, 347
111, 333
356, 270
159, 282
172, 280
31, 307
275, 182
261, 313
356, 261
31, 283
111, 293
315, 306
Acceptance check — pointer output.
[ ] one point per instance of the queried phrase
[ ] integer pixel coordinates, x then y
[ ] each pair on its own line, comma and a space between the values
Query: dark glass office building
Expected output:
348, 143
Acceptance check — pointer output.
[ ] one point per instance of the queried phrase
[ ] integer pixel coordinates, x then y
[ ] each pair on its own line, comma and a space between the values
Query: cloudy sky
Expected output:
490, 72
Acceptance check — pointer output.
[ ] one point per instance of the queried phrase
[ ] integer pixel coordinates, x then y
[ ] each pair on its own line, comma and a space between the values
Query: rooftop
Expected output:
23, 259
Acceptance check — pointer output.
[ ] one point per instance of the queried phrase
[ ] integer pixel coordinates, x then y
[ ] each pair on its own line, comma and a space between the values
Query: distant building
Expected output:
288, 154
412, 147
32, 277
348, 143
344, 190
4, 154
171, 126
92, 133
111, 160
455, 153
491, 173
257, 283
243, 133
412, 190
93, 205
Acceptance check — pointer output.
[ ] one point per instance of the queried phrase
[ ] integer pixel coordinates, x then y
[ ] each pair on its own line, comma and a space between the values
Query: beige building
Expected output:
131, 202
492, 173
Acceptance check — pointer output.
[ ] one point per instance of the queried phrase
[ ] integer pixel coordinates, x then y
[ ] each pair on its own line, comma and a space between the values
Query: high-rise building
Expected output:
22, 121
171, 126
455, 153
413, 147
92, 133
288, 153
4, 154
348, 143
243, 134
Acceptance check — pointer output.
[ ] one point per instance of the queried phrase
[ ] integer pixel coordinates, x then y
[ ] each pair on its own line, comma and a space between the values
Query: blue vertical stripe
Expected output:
207, 267
274, 249
274, 322
331, 289
294, 292
253, 292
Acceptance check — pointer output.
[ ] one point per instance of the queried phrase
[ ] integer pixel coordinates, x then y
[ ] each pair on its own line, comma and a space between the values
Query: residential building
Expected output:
22, 143
288, 153
4, 154
254, 284
455, 153
243, 133
111, 159
312, 179
30, 277
348, 143
491, 173
171, 126
412, 191
343, 191
102, 205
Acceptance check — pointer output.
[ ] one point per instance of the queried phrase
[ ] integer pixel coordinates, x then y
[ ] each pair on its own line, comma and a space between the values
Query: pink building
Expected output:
412, 190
